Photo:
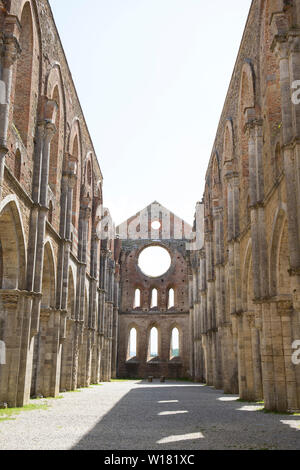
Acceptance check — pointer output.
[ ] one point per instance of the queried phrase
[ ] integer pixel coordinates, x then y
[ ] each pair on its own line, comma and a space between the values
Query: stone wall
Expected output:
58, 280
246, 277
163, 316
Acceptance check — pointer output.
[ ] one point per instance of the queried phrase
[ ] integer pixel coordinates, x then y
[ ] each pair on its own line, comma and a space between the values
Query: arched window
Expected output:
76, 190
50, 213
278, 161
132, 343
153, 342
154, 298
89, 173
175, 343
21, 116
171, 298
56, 144
137, 298
72, 241
17, 168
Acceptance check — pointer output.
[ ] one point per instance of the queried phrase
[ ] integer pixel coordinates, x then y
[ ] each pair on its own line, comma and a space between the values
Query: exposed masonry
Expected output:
59, 282
66, 297
143, 318
245, 281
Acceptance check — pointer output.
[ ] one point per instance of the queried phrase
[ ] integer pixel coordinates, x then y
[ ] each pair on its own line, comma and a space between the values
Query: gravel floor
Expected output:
138, 415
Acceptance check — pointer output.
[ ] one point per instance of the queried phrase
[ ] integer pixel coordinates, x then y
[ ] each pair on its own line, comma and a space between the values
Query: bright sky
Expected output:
152, 77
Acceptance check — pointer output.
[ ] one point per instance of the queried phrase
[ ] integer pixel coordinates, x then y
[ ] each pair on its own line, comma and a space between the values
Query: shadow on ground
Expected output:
186, 416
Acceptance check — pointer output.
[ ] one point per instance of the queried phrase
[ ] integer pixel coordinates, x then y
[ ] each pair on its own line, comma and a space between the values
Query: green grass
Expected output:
9, 414
48, 398
275, 412
258, 402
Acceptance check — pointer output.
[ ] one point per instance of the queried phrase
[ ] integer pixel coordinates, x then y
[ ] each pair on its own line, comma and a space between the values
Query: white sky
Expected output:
152, 77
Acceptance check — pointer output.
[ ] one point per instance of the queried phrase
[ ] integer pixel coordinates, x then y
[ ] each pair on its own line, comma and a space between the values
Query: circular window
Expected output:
156, 225
154, 261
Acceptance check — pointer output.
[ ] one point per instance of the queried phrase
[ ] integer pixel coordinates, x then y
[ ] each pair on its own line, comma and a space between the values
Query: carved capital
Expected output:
11, 50
279, 28
9, 299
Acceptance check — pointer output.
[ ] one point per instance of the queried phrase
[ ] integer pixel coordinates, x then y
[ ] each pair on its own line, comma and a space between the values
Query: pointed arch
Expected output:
22, 99
132, 350
216, 180
246, 113
12, 241
171, 298
28, 72
75, 151
247, 280
137, 298
153, 342
154, 298
175, 340
228, 144
55, 92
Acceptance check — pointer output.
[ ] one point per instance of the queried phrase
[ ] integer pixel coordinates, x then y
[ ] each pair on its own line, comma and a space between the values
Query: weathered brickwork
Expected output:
162, 316
59, 282
245, 280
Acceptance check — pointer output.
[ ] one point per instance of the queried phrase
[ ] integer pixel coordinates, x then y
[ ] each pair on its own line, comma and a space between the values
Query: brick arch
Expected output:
180, 337
28, 70
171, 287
270, 86
151, 326
216, 183
247, 280
55, 92
228, 142
136, 288
246, 112
75, 152
12, 245
247, 88
89, 173
278, 257
132, 326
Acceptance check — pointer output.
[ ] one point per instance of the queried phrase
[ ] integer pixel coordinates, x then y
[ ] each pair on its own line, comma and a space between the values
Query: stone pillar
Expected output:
49, 354
15, 374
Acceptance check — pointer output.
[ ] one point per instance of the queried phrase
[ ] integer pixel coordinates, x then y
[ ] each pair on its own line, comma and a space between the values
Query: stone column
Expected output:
15, 374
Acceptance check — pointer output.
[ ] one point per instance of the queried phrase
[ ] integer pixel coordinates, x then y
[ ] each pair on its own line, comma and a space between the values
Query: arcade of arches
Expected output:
75, 308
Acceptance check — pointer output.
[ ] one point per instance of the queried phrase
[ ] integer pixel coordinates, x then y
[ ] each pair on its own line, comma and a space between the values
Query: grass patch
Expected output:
48, 398
258, 402
274, 412
9, 413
